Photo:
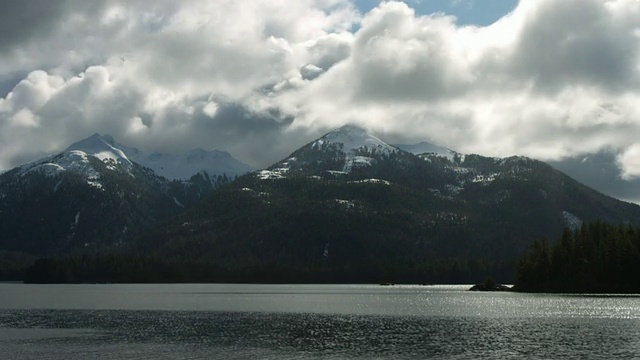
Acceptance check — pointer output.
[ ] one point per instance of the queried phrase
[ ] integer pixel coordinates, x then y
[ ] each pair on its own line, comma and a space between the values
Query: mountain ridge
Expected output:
346, 207
397, 213
92, 196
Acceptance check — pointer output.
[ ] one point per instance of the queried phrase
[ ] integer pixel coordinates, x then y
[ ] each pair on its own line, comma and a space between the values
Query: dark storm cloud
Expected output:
600, 171
9, 81
22, 20
244, 132
576, 42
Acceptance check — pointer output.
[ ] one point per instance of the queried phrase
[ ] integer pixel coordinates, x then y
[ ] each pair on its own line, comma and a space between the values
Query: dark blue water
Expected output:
325, 321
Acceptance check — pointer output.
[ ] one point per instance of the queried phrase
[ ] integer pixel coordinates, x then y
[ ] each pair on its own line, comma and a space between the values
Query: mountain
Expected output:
350, 207
100, 147
427, 149
601, 172
95, 196
184, 166
337, 153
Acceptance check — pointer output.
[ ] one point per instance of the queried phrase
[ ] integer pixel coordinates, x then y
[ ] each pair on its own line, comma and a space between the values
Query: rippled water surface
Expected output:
310, 321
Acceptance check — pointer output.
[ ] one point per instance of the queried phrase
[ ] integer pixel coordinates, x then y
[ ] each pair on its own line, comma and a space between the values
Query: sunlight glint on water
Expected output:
301, 321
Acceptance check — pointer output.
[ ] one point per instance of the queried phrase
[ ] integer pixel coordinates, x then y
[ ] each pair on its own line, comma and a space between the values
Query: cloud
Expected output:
399, 57
540, 82
22, 20
600, 171
629, 161
159, 73
579, 43
550, 80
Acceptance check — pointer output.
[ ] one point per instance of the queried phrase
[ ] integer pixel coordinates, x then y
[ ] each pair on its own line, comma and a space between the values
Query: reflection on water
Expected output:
339, 322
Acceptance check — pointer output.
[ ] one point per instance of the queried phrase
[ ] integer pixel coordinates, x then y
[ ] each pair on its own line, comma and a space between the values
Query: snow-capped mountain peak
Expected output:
337, 152
77, 159
101, 147
351, 138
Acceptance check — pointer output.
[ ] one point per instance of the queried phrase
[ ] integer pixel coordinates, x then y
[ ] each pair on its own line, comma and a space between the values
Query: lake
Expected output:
231, 321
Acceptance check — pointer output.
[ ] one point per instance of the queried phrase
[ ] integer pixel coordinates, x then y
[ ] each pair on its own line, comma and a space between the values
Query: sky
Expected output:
547, 79
467, 12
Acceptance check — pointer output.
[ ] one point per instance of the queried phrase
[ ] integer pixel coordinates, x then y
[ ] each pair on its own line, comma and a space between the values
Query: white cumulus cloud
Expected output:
551, 79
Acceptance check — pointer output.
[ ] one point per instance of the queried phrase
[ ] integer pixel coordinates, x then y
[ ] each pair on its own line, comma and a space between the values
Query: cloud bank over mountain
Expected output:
550, 80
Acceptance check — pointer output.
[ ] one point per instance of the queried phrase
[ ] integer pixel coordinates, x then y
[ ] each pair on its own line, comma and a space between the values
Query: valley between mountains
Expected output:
347, 207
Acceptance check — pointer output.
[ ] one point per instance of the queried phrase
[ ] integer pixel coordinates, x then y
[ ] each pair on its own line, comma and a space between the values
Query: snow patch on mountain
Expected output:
57, 186
453, 189
459, 170
485, 179
371, 181
274, 174
346, 203
355, 161
279, 172
571, 221
74, 226
94, 183
49, 169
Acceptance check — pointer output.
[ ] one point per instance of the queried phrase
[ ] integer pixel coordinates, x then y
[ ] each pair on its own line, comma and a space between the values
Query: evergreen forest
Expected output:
595, 258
